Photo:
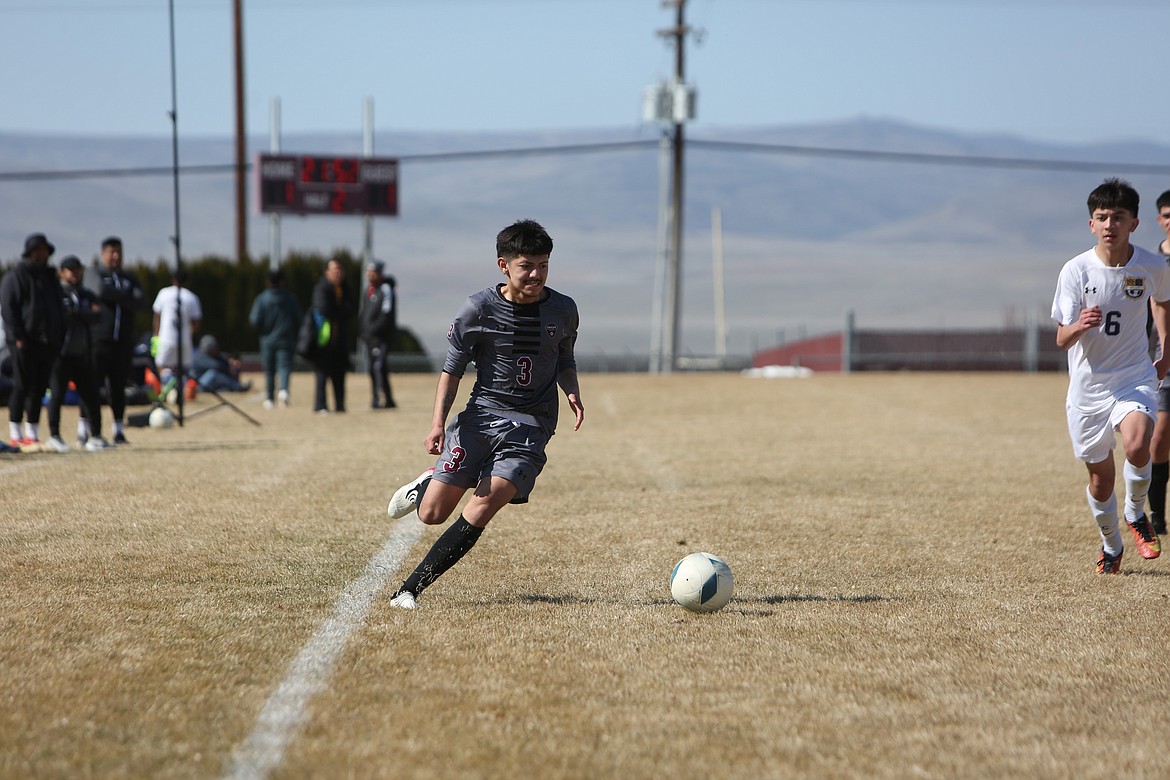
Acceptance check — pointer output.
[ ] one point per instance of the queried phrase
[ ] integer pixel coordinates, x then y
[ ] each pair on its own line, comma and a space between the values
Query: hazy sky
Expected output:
1066, 71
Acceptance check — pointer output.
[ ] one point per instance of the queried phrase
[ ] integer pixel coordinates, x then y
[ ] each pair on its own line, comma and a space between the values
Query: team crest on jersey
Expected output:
551, 330
1135, 287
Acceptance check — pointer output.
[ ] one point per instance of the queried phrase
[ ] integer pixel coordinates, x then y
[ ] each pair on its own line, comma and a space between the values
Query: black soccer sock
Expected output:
455, 542
1157, 497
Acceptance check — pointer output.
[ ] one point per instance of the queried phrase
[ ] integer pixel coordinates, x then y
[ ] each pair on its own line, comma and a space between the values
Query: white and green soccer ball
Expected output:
701, 582
161, 417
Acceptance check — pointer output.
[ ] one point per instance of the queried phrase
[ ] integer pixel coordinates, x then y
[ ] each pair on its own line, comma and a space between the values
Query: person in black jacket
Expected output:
114, 336
34, 327
74, 364
332, 310
379, 322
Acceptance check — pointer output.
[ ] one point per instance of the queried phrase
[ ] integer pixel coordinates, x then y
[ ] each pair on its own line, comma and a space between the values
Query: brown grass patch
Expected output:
914, 594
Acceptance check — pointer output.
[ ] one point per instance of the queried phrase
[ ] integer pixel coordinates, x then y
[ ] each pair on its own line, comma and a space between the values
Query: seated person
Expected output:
213, 371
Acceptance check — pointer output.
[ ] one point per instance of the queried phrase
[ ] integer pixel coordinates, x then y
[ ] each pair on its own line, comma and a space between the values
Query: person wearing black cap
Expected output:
115, 336
379, 317
82, 311
34, 327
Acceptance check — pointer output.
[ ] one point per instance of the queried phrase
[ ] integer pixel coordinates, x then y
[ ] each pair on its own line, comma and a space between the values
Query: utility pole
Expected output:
241, 136
682, 109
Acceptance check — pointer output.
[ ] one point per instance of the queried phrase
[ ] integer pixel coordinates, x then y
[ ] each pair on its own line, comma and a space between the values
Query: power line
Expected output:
924, 158
739, 147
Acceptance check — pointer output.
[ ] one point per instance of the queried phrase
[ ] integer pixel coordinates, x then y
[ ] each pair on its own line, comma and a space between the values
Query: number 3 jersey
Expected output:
1114, 356
519, 350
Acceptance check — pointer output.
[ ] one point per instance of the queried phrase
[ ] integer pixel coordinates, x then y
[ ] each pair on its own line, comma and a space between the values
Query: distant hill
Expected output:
807, 236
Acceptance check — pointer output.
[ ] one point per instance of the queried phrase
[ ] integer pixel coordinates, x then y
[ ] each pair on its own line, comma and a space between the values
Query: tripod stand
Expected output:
222, 402
182, 330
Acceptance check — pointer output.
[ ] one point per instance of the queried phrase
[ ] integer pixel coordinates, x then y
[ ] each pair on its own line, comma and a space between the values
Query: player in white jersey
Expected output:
1160, 445
520, 335
1100, 306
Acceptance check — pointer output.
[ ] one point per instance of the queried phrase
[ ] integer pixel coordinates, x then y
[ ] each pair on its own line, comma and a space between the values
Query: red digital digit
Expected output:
338, 202
289, 192
308, 169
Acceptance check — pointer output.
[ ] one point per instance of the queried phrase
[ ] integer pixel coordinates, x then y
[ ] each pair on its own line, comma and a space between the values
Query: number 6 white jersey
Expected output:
1114, 357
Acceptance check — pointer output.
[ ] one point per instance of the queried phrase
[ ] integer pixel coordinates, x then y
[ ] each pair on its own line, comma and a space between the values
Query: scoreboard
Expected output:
323, 184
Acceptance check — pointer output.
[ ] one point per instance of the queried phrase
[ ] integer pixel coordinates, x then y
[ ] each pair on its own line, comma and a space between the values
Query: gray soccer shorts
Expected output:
479, 444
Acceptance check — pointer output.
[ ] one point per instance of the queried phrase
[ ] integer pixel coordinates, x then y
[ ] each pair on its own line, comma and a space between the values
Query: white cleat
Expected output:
405, 499
97, 444
57, 444
404, 600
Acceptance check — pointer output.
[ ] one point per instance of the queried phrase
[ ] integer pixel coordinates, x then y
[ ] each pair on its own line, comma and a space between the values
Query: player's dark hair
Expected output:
525, 237
1114, 194
1163, 200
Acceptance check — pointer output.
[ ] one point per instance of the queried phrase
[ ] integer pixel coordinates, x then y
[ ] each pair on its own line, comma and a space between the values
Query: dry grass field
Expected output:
915, 596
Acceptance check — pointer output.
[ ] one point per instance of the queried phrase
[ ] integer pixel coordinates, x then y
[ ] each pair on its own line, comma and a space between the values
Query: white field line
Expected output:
287, 708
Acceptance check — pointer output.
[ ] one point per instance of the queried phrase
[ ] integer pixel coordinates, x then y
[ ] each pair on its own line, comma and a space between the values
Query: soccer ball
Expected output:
161, 417
701, 582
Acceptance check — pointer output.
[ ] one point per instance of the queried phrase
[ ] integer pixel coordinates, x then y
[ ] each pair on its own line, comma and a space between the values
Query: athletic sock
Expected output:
117, 427
1159, 475
1105, 515
82, 428
14, 430
33, 430
455, 542
1137, 485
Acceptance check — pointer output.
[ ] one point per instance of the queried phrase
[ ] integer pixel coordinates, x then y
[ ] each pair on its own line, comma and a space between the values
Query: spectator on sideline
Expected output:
379, 323
75, 363
115, 336
175, 344
276, 315
34, 327
332, 310
214, 371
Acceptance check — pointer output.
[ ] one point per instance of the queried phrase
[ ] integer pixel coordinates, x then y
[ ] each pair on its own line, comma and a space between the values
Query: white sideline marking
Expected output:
285, 711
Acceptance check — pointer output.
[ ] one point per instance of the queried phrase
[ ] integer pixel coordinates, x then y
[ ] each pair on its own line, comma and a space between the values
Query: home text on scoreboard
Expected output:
326, 184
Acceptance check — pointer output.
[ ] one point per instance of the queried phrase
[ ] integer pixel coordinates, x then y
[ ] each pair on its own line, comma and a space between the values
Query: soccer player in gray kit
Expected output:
520, 334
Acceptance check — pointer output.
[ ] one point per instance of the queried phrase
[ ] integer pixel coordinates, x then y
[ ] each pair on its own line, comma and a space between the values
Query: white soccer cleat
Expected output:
405, 499
97, 444
404, 600
57, 444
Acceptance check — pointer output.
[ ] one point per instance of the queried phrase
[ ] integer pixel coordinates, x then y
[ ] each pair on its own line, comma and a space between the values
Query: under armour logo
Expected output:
1089, 289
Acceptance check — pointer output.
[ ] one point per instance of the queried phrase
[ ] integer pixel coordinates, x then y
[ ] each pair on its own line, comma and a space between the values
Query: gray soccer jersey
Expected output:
519, 350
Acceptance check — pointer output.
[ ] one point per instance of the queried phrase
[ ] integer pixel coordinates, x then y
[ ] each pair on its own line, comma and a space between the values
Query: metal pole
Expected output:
241, 137
368, 151
656, 315
176, 238
717, 284
674, 267
274, 218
